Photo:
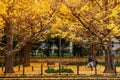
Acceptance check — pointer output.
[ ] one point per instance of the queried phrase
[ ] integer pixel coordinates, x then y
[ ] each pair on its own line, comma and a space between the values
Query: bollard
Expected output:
32, 68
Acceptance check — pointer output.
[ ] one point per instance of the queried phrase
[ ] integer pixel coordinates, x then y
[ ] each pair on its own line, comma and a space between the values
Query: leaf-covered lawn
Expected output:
35, 69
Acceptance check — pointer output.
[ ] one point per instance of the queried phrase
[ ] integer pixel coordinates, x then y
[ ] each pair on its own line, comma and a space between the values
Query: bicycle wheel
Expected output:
89, 67
98, 67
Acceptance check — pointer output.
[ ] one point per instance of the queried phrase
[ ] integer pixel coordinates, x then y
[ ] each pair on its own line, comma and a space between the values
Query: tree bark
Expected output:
109, 61
27, 50
9, 49
9, 64
93, 50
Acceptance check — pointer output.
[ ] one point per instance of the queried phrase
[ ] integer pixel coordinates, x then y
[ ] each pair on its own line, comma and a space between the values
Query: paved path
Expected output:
77, 77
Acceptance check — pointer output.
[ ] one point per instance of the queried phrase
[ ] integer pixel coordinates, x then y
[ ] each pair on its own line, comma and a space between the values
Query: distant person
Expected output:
90, 62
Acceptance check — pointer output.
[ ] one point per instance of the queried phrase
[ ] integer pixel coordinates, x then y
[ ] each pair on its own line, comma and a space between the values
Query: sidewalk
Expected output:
63, 77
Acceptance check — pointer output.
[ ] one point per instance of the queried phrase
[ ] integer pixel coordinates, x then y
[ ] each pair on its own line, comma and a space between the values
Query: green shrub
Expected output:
61, 70
17, 63
101, 63
68, 70
50, 70
78, 63
14, 64
2, 64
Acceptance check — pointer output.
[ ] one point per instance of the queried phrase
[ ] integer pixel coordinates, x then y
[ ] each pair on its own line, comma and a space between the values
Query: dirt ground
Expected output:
35, 69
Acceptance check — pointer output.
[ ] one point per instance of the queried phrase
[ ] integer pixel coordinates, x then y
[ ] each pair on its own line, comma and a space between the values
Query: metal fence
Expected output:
40, 68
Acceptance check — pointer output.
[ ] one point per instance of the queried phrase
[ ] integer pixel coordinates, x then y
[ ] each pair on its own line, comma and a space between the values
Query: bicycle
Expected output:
92, 65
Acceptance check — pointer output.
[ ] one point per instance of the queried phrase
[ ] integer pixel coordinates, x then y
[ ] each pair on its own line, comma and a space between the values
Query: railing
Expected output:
39, 69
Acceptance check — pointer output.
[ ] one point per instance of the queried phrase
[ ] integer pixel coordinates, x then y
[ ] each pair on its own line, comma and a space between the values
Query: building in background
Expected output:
116, 46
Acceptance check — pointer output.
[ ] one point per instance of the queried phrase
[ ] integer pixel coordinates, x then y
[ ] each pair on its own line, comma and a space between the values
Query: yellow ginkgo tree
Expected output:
25, 21
100, 19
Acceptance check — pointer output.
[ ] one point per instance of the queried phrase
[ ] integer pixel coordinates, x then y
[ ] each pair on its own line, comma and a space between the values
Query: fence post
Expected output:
95, 70
32, 68
115, 70
2, 66
23, 69
77, 69
41, 69
23, 66
59, 69
19, 68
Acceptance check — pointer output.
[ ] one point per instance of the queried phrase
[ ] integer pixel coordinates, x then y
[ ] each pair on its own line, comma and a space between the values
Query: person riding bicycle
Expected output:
91, 62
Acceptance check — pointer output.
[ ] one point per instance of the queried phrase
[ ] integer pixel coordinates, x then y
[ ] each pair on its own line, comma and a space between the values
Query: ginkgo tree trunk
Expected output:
109, 58
26, 53
8, 52
44, 28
